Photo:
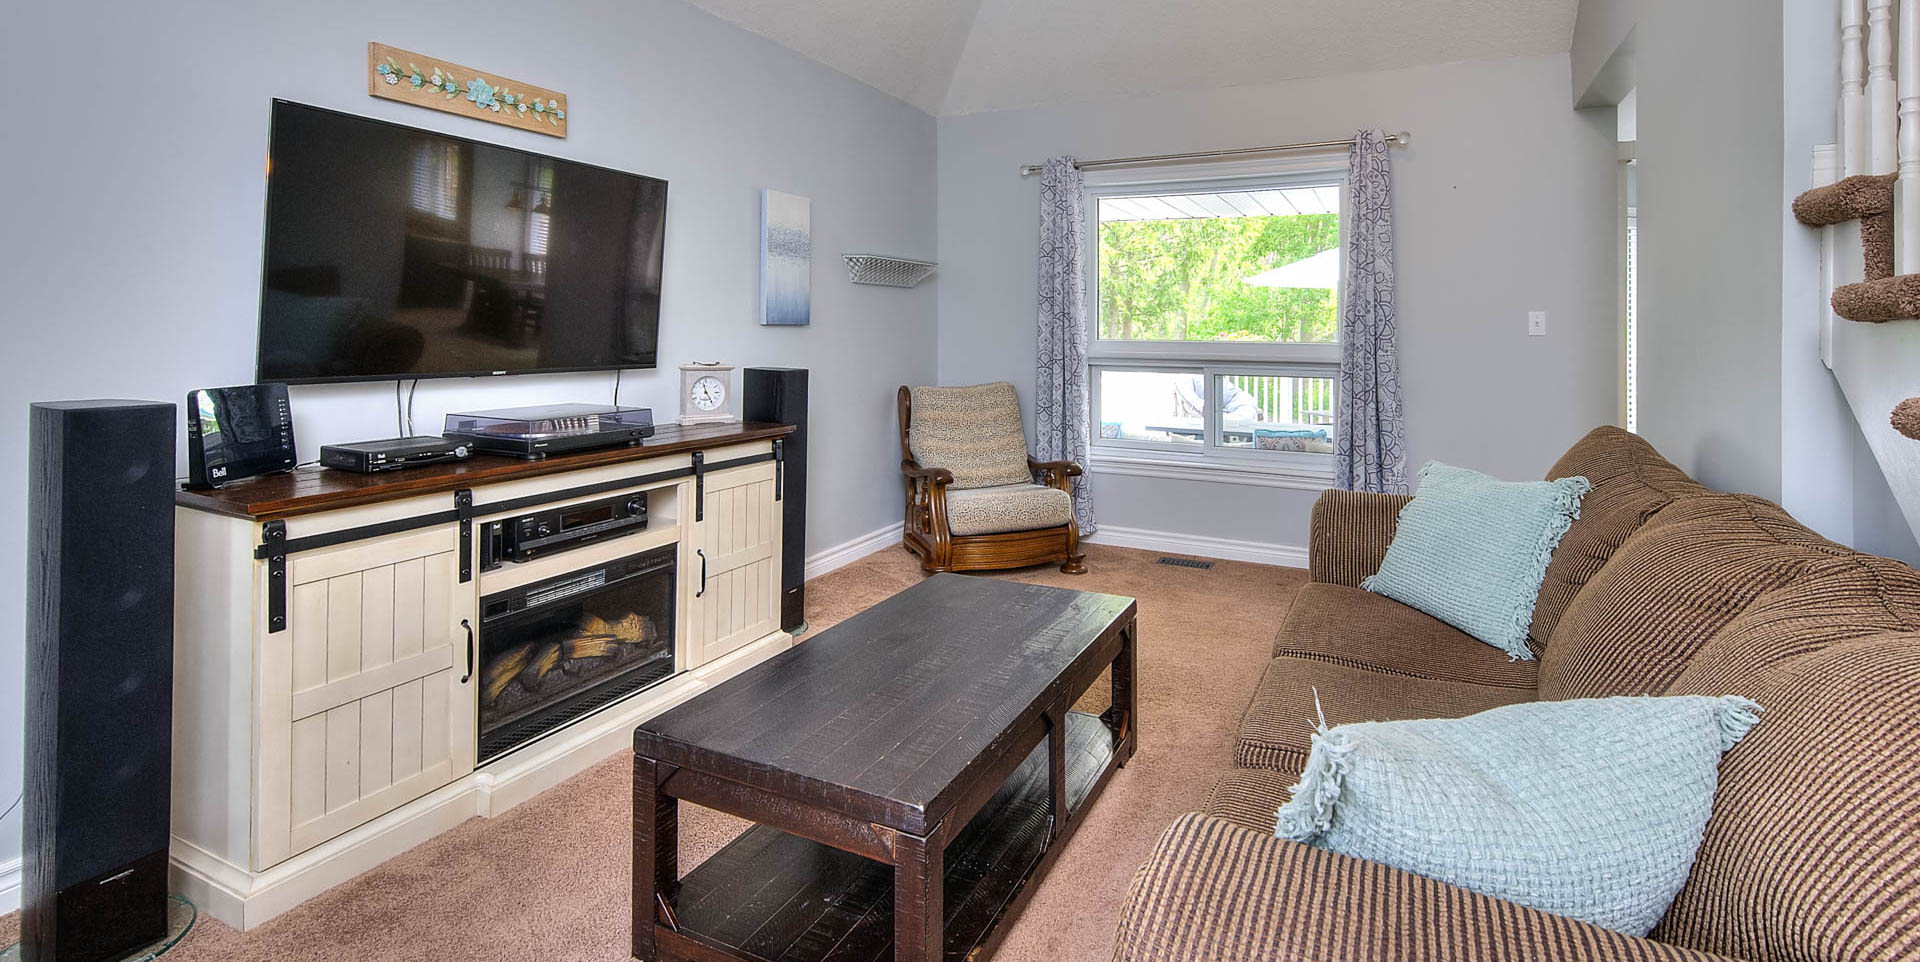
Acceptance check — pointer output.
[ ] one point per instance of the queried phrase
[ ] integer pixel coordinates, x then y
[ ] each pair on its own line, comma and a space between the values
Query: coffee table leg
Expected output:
1123, 693
656, 851
919, 871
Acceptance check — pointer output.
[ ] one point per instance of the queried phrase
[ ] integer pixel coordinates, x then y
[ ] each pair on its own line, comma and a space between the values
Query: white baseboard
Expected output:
846, 553
1171, 542
10, 872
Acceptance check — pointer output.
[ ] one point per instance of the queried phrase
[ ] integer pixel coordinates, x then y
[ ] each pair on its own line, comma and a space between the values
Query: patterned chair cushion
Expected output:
973, 432
1007, 507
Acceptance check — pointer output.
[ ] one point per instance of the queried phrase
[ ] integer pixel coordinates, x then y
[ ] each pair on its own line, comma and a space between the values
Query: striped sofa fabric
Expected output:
1214, 891
1662, 587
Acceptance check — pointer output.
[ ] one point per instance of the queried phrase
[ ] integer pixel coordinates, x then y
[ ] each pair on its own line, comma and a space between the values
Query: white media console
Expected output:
332, 669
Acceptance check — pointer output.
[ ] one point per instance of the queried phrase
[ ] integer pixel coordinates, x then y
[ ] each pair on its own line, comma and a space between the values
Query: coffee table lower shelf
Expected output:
777, 897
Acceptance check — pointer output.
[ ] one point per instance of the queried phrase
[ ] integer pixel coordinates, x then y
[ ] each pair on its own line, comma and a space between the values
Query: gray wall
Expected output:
141, 180
1711, 183
1731, 384
1505, 204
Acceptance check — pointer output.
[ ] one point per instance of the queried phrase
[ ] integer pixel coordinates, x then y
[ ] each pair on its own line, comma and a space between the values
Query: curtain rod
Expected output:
1400, 139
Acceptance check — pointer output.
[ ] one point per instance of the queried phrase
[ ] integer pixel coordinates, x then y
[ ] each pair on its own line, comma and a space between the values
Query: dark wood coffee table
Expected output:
913, 769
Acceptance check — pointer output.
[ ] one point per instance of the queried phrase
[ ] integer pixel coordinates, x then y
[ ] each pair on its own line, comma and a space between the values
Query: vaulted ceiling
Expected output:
965, 56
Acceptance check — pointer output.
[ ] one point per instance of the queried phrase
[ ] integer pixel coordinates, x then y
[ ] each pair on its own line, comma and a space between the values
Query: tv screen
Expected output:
394, 252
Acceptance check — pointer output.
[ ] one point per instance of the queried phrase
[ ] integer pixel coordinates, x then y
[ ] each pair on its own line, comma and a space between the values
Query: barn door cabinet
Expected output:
326, 714
365, 700
736, 582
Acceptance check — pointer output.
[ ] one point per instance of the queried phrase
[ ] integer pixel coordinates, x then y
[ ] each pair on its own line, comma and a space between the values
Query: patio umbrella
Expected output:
1319, 272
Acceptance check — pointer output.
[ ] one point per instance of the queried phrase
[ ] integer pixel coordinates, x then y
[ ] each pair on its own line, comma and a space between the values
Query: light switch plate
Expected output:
1536, 323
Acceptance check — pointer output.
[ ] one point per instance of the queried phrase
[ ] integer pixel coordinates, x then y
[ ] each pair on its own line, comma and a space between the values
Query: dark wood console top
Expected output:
314, 488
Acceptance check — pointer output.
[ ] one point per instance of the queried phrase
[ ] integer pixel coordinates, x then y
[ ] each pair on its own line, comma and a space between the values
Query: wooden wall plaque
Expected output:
411, 78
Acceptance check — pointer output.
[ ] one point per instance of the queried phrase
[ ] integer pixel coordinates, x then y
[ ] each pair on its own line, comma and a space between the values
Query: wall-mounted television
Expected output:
394, 252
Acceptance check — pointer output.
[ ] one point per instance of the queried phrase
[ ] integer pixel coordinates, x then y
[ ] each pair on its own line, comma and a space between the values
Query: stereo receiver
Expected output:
540, 533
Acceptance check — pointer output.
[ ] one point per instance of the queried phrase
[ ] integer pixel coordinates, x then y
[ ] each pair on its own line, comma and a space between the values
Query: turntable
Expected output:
538, 432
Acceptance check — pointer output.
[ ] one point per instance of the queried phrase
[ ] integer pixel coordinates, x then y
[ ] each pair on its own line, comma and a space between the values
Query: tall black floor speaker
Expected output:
99, 678
779, 394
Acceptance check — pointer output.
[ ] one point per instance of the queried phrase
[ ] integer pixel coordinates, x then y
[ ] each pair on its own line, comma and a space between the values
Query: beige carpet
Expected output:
549, 879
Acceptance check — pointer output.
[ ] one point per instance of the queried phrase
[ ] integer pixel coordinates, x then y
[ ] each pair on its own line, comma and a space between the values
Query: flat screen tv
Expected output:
394, 252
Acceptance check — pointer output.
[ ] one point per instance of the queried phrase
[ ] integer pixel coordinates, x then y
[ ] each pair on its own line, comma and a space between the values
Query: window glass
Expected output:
1275, 413
1259, 266
1152, 406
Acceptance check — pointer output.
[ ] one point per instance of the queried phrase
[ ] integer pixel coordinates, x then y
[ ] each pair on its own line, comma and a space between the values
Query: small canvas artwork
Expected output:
786, 259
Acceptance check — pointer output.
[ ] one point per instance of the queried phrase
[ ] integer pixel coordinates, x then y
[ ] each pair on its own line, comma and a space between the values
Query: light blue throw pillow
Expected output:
1472, 550
1591, 809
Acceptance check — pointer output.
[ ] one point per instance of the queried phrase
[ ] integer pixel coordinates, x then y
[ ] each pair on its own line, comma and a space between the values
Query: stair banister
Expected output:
1883, 112
1906, 197
1854, 154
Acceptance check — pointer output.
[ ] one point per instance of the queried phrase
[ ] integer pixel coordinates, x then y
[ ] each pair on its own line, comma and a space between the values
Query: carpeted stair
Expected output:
1884, 295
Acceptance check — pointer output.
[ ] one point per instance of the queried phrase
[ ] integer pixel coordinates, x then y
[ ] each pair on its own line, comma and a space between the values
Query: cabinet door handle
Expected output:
702, 552
464, 623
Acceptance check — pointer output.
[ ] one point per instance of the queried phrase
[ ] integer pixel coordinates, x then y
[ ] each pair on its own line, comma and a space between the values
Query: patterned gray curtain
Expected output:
1370, 450
1060, 366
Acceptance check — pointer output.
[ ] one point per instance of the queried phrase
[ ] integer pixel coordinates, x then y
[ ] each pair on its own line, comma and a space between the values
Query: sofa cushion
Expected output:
1353, 627
1630, 482
1687, 573
1471, 550
1007, 507
1810, 853
973, 432
1213, 891
1590, 808
1251, 797
1277, 730
1834, 600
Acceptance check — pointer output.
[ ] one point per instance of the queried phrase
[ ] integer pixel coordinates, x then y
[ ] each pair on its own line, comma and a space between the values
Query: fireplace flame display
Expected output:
556, 649
530, 674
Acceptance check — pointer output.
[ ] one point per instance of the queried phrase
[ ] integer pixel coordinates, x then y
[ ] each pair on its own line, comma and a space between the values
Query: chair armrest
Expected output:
938, 477
1350, 534
1213, 891
1055, 474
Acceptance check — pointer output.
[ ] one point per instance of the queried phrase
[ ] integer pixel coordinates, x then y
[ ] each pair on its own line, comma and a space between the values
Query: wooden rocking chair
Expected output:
976, 499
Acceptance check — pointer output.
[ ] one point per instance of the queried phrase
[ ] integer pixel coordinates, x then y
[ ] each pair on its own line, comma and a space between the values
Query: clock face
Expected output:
708, 393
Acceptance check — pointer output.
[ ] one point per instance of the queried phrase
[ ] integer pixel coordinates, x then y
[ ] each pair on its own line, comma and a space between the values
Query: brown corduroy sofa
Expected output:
1661, 587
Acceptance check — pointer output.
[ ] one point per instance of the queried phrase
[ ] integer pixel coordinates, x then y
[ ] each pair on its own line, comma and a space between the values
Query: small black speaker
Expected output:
99, 678
779, 394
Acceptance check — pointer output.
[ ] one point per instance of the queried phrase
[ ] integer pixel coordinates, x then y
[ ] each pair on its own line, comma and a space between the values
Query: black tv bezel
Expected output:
266, 217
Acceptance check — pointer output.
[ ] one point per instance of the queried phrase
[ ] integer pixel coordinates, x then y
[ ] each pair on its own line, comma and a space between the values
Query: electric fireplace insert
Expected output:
559, 649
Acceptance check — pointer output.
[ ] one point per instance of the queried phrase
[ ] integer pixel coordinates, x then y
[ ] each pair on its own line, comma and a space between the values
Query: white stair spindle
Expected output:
1882, 98
1854, 154
1906, 190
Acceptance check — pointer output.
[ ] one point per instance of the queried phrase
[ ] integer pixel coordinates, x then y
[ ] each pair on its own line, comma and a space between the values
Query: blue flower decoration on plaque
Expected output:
477, 90
480, 92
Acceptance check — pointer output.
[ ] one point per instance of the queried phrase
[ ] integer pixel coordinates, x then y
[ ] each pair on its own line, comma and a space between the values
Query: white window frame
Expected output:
1209, 460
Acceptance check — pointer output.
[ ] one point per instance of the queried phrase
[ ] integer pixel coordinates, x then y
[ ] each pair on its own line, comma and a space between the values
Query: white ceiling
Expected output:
965, 56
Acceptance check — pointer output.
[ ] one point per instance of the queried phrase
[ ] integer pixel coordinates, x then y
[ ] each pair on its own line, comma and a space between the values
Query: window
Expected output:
540, 211
1216, 307
436, 179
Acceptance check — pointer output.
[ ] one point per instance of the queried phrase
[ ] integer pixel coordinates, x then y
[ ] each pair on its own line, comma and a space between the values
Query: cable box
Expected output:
392, 454
549, 429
